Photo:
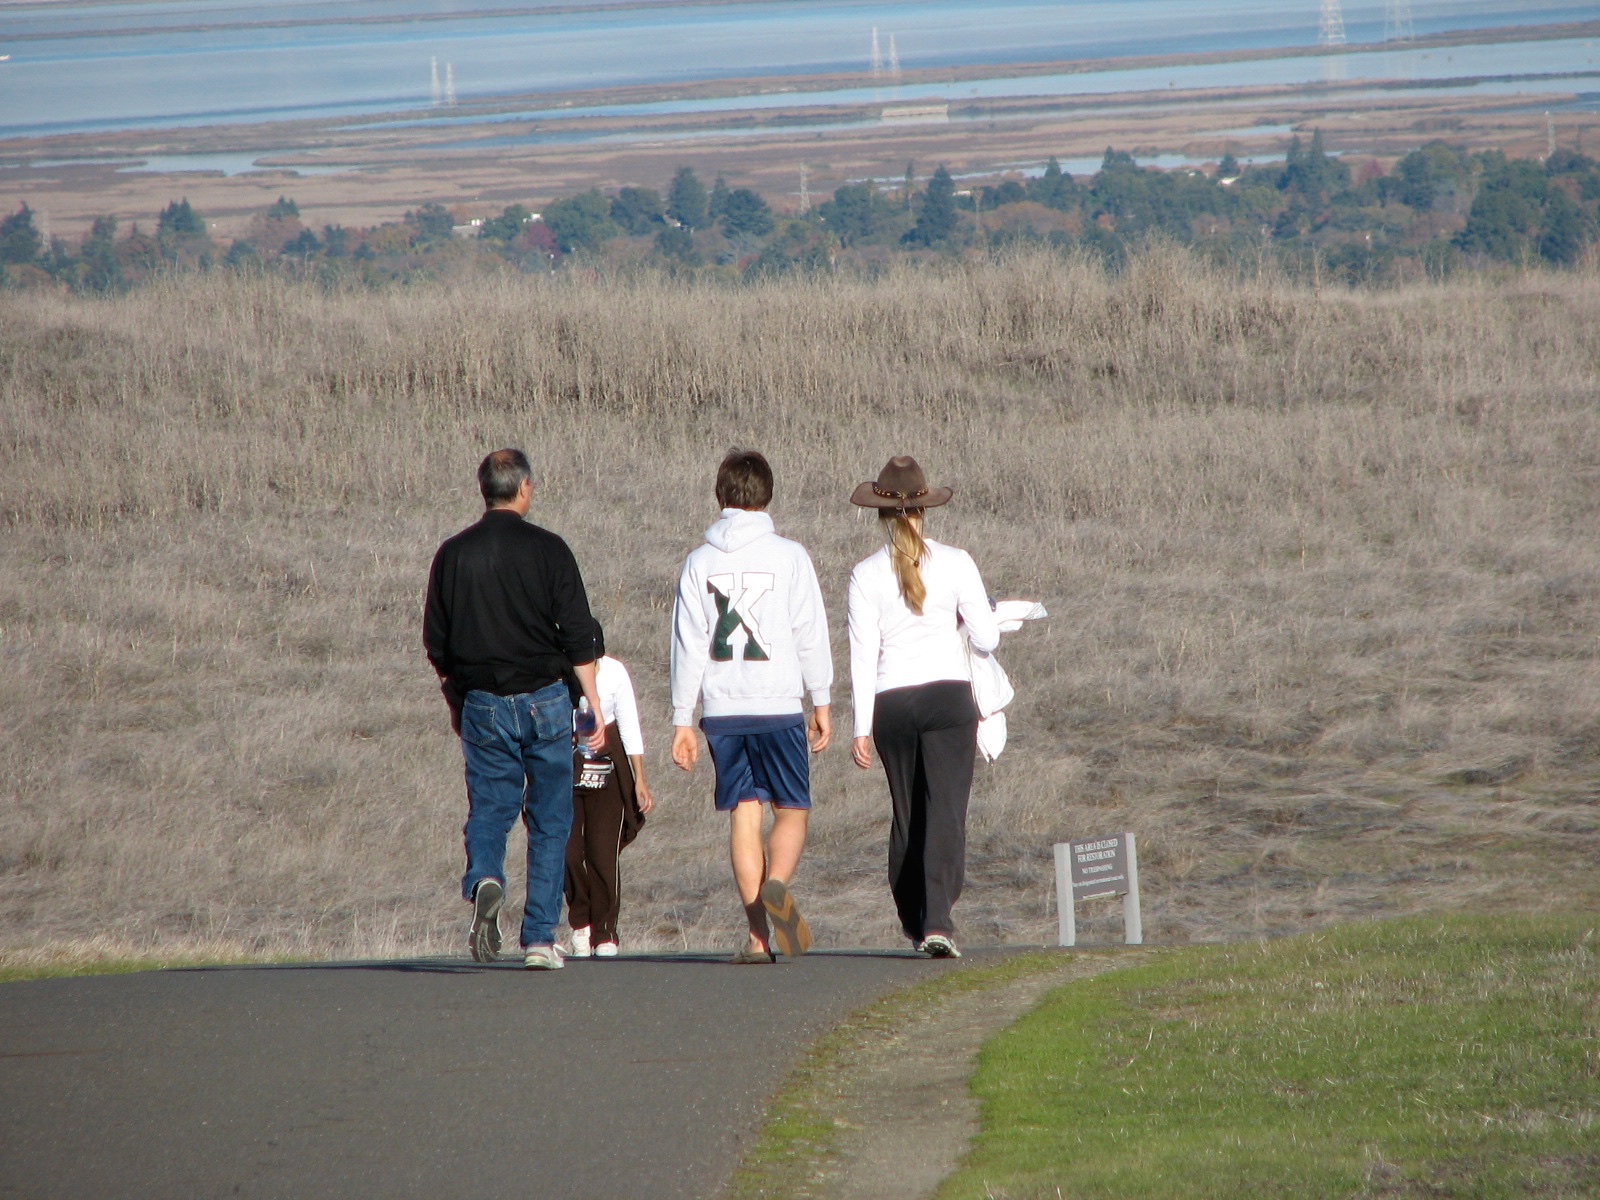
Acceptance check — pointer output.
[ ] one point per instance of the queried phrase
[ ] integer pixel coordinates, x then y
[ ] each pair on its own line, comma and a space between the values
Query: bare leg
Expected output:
786, 841
749, 867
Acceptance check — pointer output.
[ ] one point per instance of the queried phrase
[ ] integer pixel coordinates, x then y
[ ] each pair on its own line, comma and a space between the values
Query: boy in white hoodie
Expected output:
750, 641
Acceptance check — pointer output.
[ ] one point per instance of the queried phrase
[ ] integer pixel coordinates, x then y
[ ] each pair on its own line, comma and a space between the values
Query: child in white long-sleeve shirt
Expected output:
609, 800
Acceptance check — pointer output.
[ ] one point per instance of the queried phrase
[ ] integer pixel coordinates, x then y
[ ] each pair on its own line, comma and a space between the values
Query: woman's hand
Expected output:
861, 752
641, 790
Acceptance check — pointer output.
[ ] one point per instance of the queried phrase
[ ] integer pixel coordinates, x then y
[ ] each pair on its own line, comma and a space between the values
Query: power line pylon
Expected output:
1397, 26
1330, 32
877, 54
894, 58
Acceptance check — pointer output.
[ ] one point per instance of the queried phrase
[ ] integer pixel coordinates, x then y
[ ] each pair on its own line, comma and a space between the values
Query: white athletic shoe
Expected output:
939, 946
580, 942
484, 940
606, 950
544, 958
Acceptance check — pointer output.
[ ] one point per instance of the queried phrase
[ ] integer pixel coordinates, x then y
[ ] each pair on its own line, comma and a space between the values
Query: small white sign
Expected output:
1090, 868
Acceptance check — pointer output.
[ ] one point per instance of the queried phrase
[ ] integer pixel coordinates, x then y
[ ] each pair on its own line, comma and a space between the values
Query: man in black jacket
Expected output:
507, 625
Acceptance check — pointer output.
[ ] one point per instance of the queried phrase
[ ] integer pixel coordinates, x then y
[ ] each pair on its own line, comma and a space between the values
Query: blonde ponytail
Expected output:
906, 552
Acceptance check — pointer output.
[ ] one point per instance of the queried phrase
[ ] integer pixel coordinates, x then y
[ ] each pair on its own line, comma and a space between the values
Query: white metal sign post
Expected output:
1094, 867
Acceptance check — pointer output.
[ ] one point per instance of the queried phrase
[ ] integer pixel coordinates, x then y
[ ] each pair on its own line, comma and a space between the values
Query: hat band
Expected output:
886, 494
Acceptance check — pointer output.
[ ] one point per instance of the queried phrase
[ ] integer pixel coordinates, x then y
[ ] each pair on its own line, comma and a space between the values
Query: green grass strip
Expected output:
800, 1140
1433, 1057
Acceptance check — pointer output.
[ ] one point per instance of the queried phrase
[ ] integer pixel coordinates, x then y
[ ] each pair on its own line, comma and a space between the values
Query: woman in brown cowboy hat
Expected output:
911, 604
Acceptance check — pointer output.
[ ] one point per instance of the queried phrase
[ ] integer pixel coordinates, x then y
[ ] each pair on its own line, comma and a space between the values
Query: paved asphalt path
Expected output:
632, 1077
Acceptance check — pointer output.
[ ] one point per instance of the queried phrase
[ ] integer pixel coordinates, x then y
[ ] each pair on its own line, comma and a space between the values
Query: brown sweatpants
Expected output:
593, 884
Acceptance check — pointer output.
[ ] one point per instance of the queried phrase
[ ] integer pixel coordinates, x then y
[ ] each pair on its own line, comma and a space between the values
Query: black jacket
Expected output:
507, 612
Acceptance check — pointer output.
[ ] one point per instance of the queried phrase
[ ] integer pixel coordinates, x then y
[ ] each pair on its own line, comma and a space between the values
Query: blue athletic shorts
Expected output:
760, 758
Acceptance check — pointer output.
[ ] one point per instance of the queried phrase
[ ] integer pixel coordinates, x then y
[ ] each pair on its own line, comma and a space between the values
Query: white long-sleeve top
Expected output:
892, 647
749, 633
618, 703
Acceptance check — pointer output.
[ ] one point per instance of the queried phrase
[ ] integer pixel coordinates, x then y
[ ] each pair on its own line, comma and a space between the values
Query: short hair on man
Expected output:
500, 476
744, 480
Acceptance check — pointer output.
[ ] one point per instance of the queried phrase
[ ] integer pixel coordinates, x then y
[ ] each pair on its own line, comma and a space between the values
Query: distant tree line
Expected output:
1436, 210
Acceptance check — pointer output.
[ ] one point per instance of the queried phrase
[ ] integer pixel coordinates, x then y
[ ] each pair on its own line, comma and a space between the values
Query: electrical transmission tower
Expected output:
1331, 30
438, 92
894, 58
1397, 26
877, 54
805, 191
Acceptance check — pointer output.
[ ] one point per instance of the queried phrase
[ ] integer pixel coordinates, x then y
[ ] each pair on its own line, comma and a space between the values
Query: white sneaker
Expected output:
606, 950
580, 942
937, 945
484, 940
544, 958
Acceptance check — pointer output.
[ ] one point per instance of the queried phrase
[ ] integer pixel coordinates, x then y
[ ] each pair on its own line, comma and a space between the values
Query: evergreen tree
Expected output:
687, 202
284, 207
59, 262
304, 245
677, 243
637, 210
432, 223
1426, 176
20, 242
580, 222
241, 256
1310, 173
718, 202
1228, 168
102, 271
936, 219
1565, 231
1011, 191
179, 220
1507, 212
745, 214
856, 211
507, 226
1054, 188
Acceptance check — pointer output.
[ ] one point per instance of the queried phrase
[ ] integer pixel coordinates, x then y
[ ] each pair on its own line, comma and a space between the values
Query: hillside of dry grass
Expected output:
1322, 571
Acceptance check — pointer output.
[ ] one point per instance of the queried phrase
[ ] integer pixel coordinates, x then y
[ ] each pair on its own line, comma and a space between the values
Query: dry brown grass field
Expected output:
1323, 573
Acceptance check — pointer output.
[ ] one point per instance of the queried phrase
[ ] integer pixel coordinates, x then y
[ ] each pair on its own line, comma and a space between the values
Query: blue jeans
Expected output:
519, 760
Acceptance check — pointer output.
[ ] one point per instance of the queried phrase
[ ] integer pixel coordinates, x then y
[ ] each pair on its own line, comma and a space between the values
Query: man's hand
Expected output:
685, 747
861, 752
821, 728
641, 790
596, 741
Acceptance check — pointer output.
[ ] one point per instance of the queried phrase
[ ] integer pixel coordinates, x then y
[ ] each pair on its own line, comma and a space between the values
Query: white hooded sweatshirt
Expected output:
749, 634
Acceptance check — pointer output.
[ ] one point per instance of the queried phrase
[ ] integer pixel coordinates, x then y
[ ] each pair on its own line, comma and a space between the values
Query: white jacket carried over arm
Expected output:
749, 633
991, 689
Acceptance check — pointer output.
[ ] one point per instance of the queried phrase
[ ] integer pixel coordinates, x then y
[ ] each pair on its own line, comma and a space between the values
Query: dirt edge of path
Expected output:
880, 1109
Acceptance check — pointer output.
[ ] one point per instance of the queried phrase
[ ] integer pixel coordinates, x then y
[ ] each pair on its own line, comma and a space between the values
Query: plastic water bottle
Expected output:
584, 723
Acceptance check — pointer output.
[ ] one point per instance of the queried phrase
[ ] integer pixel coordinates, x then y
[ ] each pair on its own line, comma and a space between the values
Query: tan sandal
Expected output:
789, 928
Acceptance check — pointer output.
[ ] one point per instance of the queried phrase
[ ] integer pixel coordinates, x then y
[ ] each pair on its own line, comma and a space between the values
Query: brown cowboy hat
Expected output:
901, 484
